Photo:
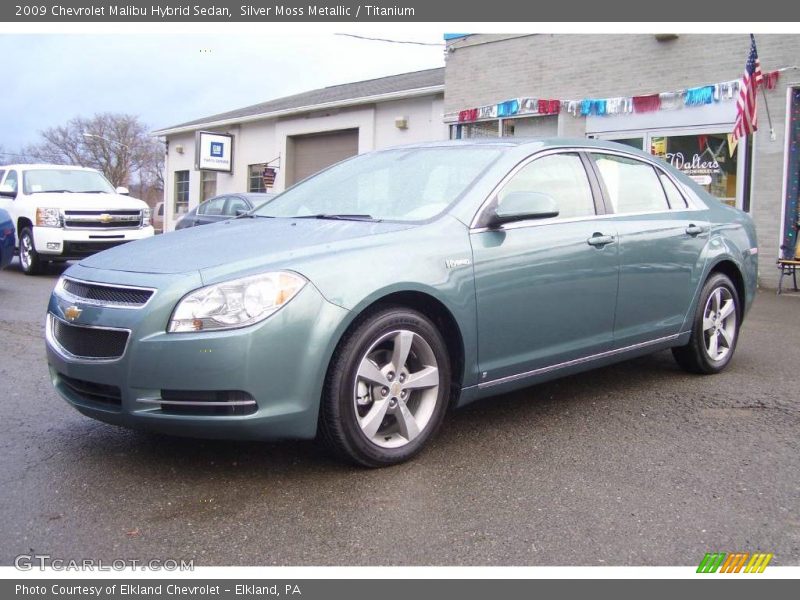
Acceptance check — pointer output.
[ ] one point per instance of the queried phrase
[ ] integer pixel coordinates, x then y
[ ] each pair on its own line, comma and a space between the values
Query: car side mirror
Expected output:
7, 191
524, 206
241, 211
123, 191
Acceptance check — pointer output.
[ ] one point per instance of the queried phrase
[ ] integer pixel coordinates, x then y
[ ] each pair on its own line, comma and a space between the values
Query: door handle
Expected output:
598, 240
694, 230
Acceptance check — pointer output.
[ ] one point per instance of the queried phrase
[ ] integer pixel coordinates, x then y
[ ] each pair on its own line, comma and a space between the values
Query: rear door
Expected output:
546, 289
661, 240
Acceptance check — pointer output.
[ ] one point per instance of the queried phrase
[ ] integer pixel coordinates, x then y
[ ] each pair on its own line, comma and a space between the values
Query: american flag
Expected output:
746, 122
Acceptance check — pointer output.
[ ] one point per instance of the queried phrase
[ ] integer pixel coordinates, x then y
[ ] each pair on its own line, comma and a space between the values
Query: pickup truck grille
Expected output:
106, 295
102, 219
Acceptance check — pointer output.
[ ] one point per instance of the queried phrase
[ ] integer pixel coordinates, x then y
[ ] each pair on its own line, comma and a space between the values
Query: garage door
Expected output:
311, 153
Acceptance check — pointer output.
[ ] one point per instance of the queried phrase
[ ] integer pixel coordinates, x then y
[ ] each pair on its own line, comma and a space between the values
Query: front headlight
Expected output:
48, 217
235, 303
146, 217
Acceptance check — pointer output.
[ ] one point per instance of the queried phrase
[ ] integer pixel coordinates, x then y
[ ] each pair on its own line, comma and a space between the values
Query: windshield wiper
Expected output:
52, 192
94, 192
339, 217
252, 215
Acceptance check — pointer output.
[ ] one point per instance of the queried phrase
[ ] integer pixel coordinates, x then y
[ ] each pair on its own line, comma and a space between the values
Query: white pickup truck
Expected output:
66, 213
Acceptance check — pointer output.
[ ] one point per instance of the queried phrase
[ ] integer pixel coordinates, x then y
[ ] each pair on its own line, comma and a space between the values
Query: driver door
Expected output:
546, 289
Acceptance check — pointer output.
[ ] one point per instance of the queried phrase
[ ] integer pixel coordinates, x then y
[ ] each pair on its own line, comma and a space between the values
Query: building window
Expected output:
255, 180
208, 185
181, 192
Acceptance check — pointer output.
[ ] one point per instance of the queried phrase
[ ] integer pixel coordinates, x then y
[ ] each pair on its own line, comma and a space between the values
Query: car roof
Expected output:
523, 146
247, 195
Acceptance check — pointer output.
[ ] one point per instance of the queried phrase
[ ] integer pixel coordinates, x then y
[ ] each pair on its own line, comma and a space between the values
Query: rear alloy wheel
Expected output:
715, 329
28, 257
387, 389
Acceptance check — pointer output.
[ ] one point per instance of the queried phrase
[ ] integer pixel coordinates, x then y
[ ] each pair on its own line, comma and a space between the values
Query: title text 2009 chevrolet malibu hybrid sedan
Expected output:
363, 302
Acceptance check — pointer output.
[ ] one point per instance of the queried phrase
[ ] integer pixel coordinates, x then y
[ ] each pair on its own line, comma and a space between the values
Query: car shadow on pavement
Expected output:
540, 406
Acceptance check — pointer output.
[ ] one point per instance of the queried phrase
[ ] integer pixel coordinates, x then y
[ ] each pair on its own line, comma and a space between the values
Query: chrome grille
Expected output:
92, 343
109, 295
102, 219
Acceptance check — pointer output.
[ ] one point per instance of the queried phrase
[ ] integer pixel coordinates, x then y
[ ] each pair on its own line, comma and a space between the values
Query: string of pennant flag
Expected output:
697, 96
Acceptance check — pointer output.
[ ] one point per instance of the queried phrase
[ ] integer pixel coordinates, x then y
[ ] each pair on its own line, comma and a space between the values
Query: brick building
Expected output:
488, 72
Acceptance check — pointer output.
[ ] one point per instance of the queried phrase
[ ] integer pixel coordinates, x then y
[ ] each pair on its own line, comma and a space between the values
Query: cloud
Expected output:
170, 78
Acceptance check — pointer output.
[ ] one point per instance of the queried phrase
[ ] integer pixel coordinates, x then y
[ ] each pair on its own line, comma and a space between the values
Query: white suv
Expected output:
64, 213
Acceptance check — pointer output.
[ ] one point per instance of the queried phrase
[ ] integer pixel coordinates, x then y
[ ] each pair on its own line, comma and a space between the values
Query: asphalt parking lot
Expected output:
635, 464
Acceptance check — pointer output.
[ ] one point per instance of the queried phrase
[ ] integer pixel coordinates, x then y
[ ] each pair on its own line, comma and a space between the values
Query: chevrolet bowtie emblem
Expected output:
72, 313
105, 218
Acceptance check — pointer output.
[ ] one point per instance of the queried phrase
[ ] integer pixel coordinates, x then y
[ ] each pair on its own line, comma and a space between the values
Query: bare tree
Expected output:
116, 144
8, 157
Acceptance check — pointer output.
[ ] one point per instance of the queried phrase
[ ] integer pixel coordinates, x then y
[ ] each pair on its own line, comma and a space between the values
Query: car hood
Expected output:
78, 201
238, 244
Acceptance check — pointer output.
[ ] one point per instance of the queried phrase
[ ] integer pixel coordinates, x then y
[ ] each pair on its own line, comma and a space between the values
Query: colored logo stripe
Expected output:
758, 563
711, 562
734, 562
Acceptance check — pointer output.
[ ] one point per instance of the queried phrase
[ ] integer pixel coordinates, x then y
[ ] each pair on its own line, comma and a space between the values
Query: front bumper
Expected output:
65, 244
281, 363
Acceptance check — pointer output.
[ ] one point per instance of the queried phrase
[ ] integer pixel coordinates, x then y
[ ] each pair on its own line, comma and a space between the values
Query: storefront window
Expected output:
636, 142
483, 129
709, 159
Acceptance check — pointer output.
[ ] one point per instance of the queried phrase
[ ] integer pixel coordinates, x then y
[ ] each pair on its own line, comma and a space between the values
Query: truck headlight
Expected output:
146, 217
235, 303
48, 217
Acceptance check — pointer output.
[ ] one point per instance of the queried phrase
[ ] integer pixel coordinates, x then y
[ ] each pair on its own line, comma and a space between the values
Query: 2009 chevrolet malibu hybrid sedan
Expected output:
363, 302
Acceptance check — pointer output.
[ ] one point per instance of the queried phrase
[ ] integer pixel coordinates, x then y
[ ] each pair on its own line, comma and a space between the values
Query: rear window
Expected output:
633, 186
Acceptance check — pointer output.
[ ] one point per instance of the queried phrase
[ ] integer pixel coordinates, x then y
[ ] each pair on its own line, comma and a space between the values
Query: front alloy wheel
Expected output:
715, 328
387, 388
28, 257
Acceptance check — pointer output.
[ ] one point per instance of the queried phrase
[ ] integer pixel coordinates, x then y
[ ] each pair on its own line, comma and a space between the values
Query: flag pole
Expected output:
769, 118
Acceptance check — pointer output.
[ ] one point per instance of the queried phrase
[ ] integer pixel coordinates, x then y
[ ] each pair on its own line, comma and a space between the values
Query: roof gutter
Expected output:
387, 97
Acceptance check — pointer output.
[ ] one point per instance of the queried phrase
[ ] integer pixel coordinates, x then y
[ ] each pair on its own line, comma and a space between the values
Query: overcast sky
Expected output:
166, 79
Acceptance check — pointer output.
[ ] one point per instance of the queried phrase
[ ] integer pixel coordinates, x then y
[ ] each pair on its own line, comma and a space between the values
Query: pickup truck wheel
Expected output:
28, 257
387, 388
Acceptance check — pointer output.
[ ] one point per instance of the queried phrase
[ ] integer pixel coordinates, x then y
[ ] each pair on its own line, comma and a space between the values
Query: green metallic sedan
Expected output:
364, 302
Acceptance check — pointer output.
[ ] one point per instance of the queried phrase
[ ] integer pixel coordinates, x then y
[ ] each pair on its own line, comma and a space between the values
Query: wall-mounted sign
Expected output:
268, 175
214, 151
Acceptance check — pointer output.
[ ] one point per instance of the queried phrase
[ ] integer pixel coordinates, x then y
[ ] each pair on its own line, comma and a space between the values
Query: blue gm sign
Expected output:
217, 149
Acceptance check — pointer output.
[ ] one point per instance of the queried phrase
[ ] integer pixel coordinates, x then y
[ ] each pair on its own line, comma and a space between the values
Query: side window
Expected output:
674, 196
560, 176
2, 172
212, 207
11, 181
632, 185
235, 203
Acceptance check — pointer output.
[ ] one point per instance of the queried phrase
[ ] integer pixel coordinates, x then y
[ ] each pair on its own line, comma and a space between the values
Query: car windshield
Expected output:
412, 184
65, 180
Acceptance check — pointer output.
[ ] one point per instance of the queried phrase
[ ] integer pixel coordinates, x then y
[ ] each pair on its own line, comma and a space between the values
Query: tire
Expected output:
28, 257
372, 413
715, 328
